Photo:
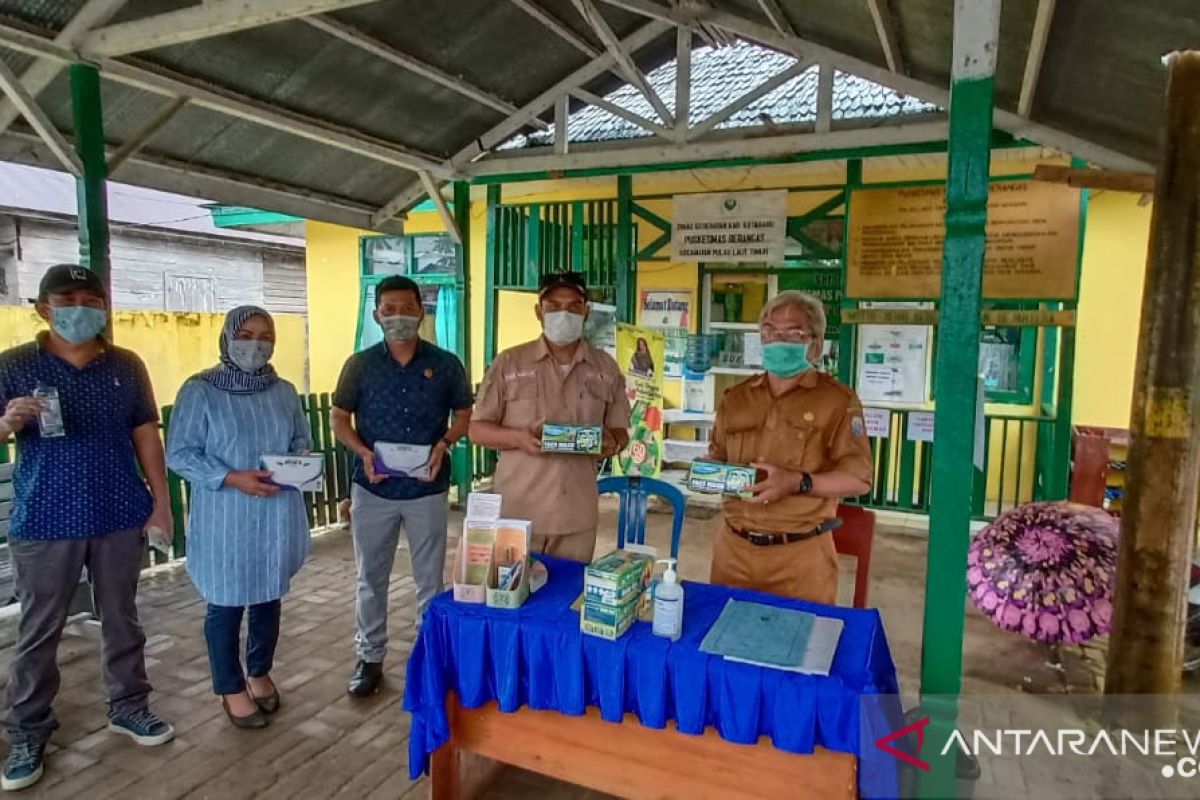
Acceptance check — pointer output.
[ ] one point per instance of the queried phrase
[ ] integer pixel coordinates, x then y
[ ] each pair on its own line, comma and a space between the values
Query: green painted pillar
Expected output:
92, 186
976, 32
626, 265
845, 365
495, 241
460, 461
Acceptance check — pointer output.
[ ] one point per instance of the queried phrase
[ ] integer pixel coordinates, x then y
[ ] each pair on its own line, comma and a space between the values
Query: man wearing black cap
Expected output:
557, 378
84, 417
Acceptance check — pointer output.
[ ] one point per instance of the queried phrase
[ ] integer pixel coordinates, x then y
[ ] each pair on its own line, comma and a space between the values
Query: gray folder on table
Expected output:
770, 636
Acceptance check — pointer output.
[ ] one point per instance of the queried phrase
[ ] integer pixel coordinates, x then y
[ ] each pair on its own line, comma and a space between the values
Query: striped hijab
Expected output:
227, 376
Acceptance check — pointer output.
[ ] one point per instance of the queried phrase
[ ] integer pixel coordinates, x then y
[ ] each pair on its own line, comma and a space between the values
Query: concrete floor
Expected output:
324, 744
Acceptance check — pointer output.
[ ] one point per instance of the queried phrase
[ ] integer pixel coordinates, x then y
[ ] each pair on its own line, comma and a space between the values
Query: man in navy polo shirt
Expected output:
401, 391
84, 418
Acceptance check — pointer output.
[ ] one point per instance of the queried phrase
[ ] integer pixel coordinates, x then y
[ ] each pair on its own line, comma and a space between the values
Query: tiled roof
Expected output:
719, 77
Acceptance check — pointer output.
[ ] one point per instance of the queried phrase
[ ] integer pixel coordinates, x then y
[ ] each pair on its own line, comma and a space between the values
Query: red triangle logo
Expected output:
885, 745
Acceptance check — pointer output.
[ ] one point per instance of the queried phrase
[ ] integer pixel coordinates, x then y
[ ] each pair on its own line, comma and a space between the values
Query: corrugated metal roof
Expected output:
42, 190
1101, 80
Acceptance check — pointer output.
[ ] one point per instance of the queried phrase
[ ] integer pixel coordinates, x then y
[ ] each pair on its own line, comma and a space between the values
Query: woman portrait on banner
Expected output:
642, 362
247, 537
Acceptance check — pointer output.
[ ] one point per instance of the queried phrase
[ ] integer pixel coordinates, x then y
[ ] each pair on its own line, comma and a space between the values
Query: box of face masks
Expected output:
713, 477
613, 589
403, 460
584, 439
302, 473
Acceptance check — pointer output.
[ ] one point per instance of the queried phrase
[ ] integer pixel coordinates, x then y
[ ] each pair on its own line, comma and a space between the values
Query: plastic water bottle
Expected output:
668, 604
50, 419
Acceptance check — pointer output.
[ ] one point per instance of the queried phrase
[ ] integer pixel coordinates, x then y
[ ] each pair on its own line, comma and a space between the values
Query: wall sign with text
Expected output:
730, 227
896, 238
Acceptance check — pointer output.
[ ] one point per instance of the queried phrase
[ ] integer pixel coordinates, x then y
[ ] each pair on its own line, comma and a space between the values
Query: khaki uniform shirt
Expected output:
816, 427
525, 388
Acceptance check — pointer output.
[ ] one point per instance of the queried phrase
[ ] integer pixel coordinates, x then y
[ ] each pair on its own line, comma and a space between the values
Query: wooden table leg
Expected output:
444, 775
458, 774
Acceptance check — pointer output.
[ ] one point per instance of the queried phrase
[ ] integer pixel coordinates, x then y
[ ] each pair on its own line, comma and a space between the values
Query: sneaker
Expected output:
143, 727
23, 767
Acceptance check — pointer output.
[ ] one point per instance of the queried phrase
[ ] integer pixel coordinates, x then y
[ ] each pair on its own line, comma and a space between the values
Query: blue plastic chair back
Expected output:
631, 519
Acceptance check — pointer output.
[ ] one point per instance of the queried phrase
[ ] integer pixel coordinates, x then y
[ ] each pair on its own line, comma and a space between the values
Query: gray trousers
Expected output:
375, 524
47, 574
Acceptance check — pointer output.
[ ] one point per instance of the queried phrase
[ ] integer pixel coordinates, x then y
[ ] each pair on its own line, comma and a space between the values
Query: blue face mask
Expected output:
785, 359
78, 324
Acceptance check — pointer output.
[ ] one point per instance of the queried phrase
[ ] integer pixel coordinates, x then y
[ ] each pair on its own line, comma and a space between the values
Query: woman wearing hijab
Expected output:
246, 537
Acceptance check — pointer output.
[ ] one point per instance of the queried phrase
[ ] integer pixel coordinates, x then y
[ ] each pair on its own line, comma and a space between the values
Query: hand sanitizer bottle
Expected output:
50, 420
668, 604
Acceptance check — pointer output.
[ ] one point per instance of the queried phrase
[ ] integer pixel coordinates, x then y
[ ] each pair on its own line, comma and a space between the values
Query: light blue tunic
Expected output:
242, 550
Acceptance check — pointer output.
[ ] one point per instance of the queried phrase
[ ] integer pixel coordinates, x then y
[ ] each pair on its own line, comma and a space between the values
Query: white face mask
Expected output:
250, 355
400, 327
562, 327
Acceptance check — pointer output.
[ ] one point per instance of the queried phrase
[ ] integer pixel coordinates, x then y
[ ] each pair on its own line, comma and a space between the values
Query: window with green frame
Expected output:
429, 259
1008, 358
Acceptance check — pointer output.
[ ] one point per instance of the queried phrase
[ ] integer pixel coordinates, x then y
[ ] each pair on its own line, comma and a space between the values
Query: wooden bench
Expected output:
81, 603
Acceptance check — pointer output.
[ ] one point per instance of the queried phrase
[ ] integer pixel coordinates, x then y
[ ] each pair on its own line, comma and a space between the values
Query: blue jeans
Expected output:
223, 633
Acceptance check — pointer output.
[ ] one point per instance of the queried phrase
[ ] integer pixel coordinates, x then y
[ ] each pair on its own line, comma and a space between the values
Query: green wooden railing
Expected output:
1016, 470
532, 240
468, 464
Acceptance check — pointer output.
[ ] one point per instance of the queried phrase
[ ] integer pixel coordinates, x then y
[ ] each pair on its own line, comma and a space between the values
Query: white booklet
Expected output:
405, 460
303, 473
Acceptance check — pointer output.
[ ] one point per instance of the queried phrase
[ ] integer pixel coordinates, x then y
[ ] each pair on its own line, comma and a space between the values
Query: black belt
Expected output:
767, 539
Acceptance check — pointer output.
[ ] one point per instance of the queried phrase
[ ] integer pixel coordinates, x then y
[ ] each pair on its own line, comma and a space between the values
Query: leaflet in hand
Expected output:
404, 460
302, 473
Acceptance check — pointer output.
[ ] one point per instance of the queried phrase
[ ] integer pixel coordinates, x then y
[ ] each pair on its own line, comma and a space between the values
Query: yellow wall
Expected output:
333, 271
1113, 269
1110, 302
332, 274
174, 346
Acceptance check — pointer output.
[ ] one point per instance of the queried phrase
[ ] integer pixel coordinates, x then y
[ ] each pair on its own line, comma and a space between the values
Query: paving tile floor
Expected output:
324, 744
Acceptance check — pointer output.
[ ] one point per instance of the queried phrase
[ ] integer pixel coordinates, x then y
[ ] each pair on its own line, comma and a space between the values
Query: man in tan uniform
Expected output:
556, 378
806, 434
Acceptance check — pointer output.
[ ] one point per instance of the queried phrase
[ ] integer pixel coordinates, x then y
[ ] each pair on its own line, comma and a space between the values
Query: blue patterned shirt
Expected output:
85, 483
403, 404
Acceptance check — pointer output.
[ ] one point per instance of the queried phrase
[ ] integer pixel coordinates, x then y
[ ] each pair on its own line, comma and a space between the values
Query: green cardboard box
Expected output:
713, 477
616, 576
582, 439
604, 630
612, 616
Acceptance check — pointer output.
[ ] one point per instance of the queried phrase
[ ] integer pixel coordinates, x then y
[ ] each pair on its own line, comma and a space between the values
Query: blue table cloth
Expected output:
536, 656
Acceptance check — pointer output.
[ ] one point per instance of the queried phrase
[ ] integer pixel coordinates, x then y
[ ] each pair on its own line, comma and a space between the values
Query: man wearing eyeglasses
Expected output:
805, 433
557, 378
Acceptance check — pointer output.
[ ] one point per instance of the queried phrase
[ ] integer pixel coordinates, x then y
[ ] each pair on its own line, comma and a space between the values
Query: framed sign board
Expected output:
896, 237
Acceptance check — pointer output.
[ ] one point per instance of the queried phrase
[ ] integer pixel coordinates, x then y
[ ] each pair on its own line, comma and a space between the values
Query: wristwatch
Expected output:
449, 444
805, 483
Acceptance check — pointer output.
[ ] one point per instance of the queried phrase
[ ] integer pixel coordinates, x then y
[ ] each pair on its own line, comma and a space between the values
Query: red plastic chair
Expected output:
855, 537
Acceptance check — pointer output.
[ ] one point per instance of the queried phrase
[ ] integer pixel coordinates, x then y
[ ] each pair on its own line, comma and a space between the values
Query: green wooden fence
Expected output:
1016, 470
